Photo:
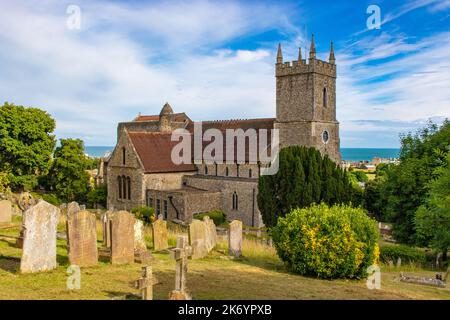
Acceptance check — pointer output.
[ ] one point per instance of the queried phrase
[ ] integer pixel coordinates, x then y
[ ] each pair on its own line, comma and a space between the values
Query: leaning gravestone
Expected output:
122, 238
5, 211
211, 233
235, 238
160, 237
106, 228
72, 208
82, 236
197, 236
39, 243
139, 240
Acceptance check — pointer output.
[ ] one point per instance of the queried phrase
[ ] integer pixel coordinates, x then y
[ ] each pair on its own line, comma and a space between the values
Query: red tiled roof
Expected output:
154, 149
177, 117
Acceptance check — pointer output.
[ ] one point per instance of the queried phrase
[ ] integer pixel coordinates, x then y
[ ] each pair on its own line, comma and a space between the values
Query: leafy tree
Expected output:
68, 176
361, 176
26, 144
432, 220
304, 177
405, 187
97, 195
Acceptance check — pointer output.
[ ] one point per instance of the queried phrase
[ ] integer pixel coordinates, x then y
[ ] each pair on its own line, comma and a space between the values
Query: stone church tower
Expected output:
306, 103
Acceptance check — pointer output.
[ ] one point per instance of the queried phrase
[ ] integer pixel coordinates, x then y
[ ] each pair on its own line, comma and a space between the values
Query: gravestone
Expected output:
181, 254
5, 211
72, 208
106, 228
122, 238
139, 236
160, 237
145, 284
197, 239
211, 233
235, 238
82, 237
39, 243
26, 201
82, 207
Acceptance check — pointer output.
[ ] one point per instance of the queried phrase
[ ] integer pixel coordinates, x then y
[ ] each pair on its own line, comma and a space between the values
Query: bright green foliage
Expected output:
146, 214
51, 198
4, 181
327, 242
405, 253
217, 216
68, 176
360, 175
405, 187
304, 177
432, 220
26, 144
97, 195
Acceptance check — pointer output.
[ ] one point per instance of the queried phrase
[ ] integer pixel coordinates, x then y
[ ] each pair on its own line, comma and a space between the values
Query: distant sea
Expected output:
348, 154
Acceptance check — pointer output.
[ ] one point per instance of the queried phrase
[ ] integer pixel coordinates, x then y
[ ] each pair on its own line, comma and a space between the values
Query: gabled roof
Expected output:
154, 149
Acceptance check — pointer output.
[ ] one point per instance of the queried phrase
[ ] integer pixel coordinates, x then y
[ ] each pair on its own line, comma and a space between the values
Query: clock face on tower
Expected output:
325, 136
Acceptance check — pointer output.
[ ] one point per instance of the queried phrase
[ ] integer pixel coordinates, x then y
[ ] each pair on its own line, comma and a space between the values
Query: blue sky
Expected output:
215, 60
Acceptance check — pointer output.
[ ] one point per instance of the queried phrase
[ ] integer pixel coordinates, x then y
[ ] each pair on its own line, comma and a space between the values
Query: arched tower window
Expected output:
123, 155
235, 201
227, 172
129, 187
325, 98
206, 169
249, 173
119, 181
124, 187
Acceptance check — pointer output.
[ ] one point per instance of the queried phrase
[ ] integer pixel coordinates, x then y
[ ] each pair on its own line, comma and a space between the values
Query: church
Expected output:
140, 171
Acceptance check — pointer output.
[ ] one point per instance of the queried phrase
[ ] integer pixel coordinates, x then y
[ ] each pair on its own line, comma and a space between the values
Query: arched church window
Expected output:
227, 172
235, 201
325, 136
123, 155
325, 98
206, 169
124, 187
119, 181
129, 187
249, 173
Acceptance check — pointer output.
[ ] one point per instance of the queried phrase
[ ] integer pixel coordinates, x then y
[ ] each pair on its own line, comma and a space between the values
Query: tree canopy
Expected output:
304, 177
26, 144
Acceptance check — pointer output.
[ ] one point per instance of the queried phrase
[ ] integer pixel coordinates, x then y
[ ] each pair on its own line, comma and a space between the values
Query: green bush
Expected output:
405, 253
146, 214
217, 216
51, 198
327, 242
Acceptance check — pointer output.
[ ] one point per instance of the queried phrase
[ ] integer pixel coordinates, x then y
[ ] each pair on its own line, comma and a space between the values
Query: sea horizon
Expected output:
348, 154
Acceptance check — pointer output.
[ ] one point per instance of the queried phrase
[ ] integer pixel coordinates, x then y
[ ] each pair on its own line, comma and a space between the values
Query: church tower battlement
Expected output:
306, 102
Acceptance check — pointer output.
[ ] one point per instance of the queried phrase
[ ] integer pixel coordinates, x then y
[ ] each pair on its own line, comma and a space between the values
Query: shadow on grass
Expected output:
117, 295
10, 264
12, 241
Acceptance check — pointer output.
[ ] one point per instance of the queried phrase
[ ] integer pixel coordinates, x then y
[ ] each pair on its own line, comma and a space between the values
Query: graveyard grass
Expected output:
259, 274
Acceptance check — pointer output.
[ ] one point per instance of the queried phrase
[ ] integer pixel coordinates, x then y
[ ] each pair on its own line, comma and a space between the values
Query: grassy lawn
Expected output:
258, 275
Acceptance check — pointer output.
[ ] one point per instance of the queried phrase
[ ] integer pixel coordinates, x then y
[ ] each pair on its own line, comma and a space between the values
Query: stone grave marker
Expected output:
160, 237
181, 254
122, 238
106, 228
211, 233
72, 207
139, 236
235, 238
39, 243
145, 284
5, 211
197, 239
26, 201
82, 237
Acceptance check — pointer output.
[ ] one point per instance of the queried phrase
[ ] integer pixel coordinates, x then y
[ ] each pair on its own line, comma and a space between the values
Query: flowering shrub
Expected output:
327, 242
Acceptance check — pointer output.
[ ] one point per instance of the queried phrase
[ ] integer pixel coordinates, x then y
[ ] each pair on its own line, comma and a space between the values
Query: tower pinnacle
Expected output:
312, 51
279, 54
332, 58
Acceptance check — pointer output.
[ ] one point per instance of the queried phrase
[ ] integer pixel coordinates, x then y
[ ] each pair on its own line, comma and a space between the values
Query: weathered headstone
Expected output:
139, 236
145, 284
72, 208
106, 228
235, 238
160, 237
82, 237
197, 239
211, 233
181, 254
5, 211
82, 207
122, 238
26, 201
39, 243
